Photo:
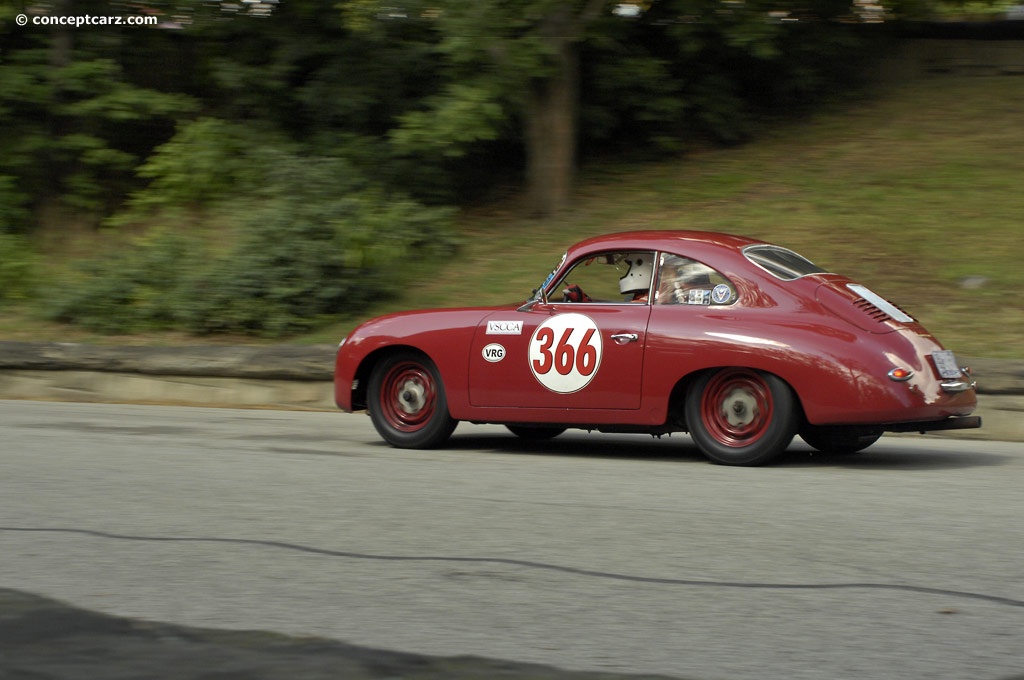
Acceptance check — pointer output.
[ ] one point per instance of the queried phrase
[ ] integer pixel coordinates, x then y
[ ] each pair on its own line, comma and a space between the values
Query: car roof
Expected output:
665, 240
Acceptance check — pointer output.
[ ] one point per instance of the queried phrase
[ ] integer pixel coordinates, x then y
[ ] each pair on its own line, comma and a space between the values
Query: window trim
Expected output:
734, 289
650, 288
772, 247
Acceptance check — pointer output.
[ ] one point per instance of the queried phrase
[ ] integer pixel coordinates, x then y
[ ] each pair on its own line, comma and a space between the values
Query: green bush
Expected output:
302, 240
128, 289
17, 268
301, 265
14, 216
312, 244
207, 162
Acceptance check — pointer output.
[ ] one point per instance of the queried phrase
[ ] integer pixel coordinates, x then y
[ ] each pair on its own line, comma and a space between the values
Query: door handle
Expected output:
623, 338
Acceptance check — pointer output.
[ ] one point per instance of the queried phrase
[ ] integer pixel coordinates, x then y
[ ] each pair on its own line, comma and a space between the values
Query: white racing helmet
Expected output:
640, 273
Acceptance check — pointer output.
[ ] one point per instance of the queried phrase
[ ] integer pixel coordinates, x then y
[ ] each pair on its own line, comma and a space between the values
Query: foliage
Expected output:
413, 93
322, 242
657, 81
17, 268
325, 125
677, 70
314, 241
14, 216
74, 132
208, 161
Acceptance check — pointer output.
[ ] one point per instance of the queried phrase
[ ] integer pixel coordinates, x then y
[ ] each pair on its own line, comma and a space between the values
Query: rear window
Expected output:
781, 263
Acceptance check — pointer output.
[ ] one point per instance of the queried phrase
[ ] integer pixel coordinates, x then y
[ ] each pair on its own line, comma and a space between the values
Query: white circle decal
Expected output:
721, 294
565, 352
493, 352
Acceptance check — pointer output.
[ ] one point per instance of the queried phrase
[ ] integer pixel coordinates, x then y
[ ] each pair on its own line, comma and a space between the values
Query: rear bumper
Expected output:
954, 423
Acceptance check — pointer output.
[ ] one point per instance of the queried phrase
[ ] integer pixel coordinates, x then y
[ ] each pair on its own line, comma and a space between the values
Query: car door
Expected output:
560, 356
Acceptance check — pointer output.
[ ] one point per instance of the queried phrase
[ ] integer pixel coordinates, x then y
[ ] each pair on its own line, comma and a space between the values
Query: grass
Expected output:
916, 191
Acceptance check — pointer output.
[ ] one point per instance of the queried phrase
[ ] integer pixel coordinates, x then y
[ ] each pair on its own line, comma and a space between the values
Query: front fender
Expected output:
444, 336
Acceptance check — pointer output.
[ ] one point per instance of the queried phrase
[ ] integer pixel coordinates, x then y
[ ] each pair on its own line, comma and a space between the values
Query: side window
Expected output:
609, 277
682, 281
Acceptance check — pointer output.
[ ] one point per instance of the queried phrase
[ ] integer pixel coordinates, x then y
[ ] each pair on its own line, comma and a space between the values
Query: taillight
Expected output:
901, 374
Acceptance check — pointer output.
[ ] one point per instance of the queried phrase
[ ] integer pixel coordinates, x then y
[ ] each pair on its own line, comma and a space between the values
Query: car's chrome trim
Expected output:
623, 338
957, 385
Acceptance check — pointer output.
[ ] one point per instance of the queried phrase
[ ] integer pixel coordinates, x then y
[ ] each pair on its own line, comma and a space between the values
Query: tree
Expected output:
74, 124
517, 62
508, 61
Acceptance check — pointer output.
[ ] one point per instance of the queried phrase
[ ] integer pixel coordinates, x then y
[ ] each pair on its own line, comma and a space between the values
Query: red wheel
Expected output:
407, 402
740, 416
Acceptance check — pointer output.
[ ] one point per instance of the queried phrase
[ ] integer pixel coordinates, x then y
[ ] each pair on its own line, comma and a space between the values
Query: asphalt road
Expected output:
591, 552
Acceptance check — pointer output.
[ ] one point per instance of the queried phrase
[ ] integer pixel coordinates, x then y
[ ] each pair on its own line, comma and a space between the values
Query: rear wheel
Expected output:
535, 432
407, 403
741, 416
839, 439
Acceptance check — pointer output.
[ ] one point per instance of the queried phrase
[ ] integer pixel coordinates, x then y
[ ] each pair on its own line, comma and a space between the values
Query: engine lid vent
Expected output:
861, 307
876, 305
871, 310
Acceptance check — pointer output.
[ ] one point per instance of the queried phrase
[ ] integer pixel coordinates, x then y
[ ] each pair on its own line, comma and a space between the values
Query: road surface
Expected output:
593, 552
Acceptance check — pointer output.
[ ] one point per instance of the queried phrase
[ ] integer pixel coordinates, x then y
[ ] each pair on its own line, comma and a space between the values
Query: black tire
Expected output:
741, 416
407, 403
535, 433
838, 439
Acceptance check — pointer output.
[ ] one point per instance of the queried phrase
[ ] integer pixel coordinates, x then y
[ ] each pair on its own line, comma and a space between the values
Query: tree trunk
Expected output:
60, 54
62, 42
551, 121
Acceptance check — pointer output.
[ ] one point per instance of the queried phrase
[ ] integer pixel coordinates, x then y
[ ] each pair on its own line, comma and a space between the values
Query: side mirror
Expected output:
538, 296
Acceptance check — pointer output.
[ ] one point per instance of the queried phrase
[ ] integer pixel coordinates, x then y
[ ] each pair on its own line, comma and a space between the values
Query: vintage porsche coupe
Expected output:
741, 343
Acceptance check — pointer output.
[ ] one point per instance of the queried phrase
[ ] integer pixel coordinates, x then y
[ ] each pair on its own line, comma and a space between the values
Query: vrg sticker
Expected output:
565, 352
493, 352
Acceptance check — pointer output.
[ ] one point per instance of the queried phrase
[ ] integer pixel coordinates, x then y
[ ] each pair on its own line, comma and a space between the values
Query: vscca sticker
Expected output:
565, 352
504, 327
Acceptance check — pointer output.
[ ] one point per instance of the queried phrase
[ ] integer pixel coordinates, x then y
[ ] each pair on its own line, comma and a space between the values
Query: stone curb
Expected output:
298, 362
294, 376
273, 362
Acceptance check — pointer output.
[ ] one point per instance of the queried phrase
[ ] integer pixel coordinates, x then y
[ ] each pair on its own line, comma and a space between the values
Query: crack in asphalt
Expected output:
577, 571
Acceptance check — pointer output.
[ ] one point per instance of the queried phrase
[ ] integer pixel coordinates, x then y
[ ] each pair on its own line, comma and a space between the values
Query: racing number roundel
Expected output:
565, 352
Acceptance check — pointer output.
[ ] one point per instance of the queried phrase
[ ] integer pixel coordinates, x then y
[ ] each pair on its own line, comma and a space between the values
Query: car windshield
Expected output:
539, 291
782, 263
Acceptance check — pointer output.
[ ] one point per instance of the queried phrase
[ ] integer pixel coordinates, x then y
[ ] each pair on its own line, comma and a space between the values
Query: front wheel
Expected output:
741, 416
407, 403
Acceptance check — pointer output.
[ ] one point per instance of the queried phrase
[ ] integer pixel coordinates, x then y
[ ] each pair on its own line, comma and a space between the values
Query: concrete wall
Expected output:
292, 377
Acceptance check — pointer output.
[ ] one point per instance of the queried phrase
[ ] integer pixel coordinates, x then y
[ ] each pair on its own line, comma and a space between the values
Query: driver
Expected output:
637, 279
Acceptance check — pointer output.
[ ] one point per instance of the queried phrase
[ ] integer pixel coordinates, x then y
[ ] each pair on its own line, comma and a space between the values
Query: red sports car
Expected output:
741, 343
